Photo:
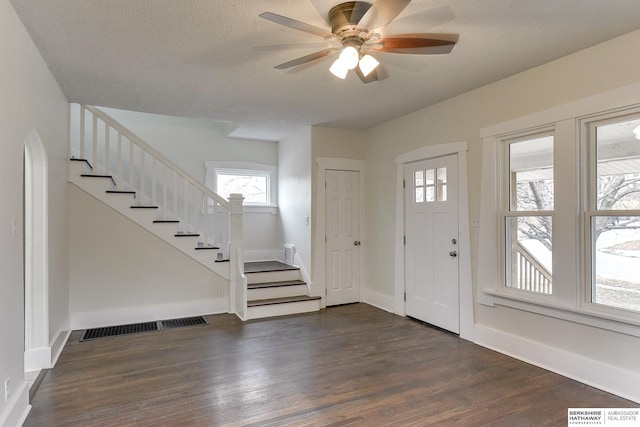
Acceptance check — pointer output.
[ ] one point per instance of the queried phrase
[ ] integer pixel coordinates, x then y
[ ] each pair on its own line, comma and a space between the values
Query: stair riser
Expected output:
273, 276
273, 310
276, 292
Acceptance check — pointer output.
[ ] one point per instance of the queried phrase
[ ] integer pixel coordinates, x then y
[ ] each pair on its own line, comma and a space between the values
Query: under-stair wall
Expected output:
120, 273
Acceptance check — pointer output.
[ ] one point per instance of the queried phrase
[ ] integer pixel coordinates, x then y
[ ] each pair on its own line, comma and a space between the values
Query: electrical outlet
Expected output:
7, 391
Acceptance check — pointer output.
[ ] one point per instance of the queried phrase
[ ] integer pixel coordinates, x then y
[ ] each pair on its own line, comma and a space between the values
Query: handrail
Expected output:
149, 149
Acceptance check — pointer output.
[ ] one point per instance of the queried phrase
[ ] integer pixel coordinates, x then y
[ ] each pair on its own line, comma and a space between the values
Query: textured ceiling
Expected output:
214, 58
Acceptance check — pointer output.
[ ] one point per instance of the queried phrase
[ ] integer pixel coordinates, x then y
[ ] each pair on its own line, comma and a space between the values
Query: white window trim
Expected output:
250, 168
567, 302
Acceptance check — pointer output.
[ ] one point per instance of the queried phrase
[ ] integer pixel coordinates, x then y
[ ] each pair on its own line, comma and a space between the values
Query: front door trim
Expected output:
466, 287
319, 257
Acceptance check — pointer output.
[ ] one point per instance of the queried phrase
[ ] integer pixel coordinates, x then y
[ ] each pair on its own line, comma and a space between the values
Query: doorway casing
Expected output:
466, 287
319, 257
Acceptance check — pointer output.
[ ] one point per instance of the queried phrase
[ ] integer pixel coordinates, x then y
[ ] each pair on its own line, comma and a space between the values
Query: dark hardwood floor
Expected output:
349, 365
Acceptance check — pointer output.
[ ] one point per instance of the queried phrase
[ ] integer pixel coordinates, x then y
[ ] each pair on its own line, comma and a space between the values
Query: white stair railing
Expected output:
112, 149
531, 274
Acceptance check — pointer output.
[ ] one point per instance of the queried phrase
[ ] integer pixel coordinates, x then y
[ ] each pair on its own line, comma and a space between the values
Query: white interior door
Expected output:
343, 237
431, 251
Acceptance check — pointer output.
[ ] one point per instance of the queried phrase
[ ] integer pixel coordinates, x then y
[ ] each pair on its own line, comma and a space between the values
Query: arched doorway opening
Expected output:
36, 256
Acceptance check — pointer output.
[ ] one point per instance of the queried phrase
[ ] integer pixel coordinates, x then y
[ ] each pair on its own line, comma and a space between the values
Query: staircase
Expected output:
116, 167
276, 289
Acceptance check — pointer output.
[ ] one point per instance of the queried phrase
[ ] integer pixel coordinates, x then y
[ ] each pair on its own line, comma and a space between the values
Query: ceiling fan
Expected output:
353, 26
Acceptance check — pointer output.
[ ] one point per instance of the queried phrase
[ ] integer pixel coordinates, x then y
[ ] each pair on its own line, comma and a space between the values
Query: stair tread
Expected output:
275, 284
207, 247
282, 300
95, 175
267, 266
121, 192
166, 221
187, 235
74, 159
143, 207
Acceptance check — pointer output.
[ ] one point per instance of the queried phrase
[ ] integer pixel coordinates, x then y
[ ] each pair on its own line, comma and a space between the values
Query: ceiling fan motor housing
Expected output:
344, 17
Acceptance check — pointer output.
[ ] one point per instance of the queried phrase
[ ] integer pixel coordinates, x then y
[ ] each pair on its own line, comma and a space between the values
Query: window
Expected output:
528, 199
256, 182
559, 218
253, 185
613, 212
430, 185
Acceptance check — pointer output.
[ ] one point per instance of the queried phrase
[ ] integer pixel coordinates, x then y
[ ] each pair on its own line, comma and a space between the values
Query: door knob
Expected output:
356, 243
453, 254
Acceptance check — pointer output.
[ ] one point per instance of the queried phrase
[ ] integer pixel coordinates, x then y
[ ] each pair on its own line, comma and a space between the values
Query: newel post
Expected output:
237, 280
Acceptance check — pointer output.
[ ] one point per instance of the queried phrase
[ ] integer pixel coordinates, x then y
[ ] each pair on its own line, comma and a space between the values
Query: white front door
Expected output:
342, 237
431, 250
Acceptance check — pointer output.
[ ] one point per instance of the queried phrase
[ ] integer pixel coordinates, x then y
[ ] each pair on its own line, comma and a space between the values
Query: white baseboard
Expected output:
17, 409
123, 316
377, 299
36, 359
595, 373
57, 345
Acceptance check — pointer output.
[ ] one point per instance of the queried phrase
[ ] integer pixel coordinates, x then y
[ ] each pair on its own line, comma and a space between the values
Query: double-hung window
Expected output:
561, 207
527, 218
613, 212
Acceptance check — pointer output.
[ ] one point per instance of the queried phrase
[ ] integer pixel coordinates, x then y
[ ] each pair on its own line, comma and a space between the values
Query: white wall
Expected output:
121, 273
585, 73
29, 99
191, 142
294, 192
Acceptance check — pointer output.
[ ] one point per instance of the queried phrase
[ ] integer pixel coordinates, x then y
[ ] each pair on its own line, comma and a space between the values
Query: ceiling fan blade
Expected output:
296, 25
305, 59
381, 13
420, 44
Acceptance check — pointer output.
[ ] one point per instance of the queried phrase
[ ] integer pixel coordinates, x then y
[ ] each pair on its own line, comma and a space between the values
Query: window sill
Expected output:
273, 210
543, 305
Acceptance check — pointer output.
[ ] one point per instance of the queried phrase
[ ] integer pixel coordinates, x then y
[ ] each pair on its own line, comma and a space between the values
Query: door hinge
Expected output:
404, 183
405, 297
404, 240
326, 292
325, 238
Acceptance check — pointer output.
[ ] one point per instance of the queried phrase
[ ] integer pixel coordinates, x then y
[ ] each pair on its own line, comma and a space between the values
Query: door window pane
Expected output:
531, 174
442, 184
419, 178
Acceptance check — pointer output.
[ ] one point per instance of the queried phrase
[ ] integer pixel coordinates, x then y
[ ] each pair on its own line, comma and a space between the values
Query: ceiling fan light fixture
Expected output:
338, 69
349, 57
367, 64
